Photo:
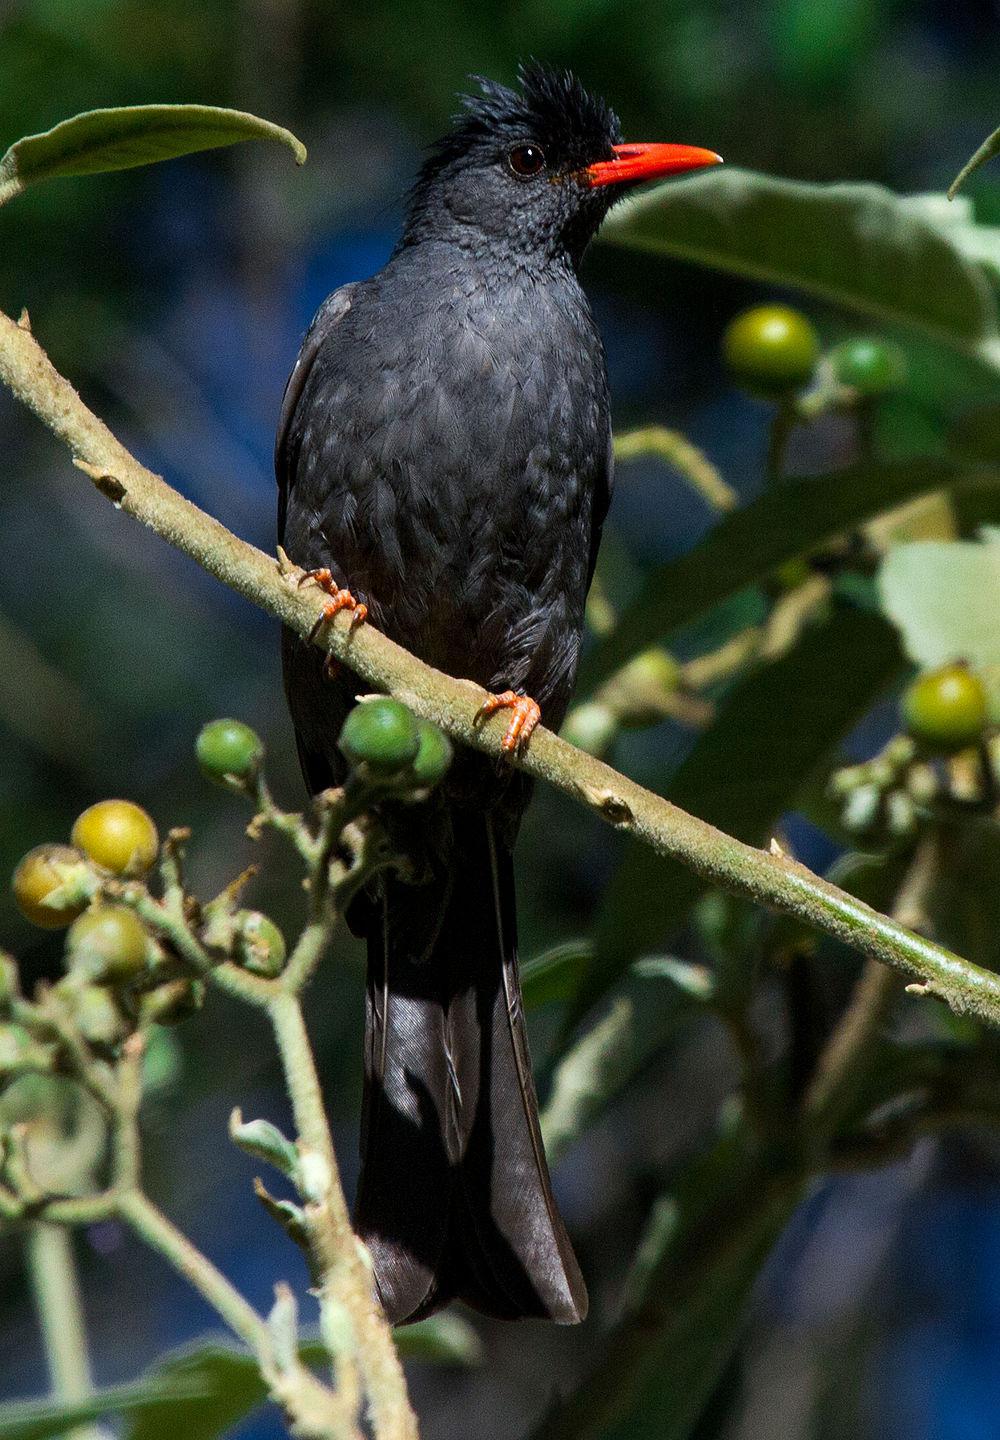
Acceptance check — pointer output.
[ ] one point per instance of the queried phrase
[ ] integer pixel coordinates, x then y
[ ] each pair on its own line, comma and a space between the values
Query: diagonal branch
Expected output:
771, 879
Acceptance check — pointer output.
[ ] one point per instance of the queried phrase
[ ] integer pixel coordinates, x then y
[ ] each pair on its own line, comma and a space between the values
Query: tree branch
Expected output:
769, 879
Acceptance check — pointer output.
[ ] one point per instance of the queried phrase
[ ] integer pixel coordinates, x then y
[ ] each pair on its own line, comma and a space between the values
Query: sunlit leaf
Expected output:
944, 596
858, 246
120, 138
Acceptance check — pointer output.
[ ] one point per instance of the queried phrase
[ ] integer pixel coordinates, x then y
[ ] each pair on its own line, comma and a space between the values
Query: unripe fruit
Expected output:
260, 945
946, 709
228, 748
37, 878
97, 1016
108, 943
870, 366
170, 1003
771, 349
434, 754
117, 835
382, 734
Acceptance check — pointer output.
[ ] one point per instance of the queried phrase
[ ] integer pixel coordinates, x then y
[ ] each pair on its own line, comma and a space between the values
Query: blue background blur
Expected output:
176, 299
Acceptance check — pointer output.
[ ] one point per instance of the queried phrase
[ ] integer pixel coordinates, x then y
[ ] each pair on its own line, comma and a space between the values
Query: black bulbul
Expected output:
444, 452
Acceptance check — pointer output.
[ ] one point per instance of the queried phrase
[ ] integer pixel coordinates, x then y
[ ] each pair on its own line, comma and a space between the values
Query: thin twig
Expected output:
52, 1269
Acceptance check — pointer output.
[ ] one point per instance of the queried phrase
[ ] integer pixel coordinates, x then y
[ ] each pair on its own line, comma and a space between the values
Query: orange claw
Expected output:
523, 720
339, 600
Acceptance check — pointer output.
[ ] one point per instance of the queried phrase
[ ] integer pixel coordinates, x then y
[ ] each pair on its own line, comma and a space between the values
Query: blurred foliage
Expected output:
176, 297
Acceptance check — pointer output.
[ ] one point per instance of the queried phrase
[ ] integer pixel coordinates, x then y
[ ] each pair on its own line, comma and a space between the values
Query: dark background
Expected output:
176, 298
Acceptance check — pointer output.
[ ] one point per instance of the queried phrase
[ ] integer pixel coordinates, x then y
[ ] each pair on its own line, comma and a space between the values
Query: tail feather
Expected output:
454, 1200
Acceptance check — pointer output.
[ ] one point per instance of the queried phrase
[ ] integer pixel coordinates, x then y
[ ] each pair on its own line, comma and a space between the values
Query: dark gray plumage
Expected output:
444, 449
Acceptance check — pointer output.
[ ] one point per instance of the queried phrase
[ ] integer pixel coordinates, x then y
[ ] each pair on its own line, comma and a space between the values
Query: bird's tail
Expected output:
454, 1200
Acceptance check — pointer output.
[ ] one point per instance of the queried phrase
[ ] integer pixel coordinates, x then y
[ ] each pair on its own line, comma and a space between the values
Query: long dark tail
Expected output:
454, 1200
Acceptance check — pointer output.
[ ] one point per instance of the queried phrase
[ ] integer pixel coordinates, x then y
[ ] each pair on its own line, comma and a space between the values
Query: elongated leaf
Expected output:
200, 1390
858, 246
118, 139
785, 522
554, 974
771, 734
986, 151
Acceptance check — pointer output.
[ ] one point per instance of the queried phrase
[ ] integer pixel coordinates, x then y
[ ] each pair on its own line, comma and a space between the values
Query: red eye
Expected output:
526, 160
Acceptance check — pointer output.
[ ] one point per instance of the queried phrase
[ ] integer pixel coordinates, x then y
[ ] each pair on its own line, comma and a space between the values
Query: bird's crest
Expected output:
552, 108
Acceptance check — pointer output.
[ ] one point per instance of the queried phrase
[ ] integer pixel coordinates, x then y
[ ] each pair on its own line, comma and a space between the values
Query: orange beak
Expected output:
648, 162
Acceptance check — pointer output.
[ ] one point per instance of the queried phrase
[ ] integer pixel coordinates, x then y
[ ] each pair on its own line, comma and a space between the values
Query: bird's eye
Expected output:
526, 160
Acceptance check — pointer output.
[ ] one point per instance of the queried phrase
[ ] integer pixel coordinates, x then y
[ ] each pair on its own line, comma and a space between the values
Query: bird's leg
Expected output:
340, 599
524, 717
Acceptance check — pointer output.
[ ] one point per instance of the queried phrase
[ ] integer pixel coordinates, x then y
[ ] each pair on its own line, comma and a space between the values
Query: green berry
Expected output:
946, 709
869, 366
381, 734
108, 943
117, 835
771, 349
97, 1017
228, 749
40, 875
434, 754
260, 945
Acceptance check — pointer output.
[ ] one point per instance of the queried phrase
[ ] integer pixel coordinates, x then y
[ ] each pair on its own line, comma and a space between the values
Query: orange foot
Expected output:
523, 720
339, 600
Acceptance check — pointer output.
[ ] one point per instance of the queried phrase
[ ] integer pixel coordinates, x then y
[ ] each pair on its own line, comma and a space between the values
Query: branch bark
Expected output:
770, 879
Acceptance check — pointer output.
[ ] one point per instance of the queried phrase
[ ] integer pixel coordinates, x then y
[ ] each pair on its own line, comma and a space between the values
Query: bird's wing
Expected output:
603, 488
286, 445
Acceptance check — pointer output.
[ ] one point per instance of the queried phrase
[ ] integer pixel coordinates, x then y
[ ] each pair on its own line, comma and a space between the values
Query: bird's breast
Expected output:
451, 447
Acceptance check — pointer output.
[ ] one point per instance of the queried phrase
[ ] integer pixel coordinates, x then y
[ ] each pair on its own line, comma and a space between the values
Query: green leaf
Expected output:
553, 975
201, 1390
787, 521
443, 1339
944, 595
986, 151
858, 246
117, 139
772, 732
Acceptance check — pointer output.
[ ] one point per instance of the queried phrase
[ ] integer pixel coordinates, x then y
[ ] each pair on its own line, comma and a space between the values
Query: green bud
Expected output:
260, 945
381, 734
96, 1015
228, 750
945, 709
434, 755
869, 366
107, 943
263, 1141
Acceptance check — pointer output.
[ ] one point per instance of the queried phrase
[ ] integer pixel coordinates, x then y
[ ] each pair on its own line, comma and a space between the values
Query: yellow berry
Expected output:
117, 835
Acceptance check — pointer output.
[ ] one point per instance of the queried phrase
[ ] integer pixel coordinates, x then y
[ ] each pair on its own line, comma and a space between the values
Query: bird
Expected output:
444, 469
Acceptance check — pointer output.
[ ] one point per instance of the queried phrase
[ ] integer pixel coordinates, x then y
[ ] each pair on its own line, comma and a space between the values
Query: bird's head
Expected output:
534, 172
